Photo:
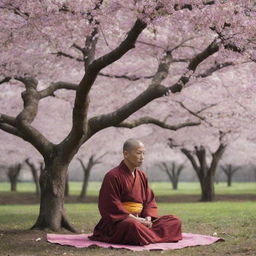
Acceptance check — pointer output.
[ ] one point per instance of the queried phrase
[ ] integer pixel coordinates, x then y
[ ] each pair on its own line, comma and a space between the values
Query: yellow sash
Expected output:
132, 207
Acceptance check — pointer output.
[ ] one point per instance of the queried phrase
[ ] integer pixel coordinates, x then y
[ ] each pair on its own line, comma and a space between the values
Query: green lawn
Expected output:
235, 222
159, 188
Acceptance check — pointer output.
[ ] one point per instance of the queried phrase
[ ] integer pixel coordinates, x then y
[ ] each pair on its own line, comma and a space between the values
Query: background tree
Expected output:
173, 171
92, 36
13, 174
35, 175
205, 172
93, 160
229, 171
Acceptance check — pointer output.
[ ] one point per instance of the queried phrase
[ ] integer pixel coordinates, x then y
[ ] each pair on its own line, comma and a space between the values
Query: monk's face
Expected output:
135, 155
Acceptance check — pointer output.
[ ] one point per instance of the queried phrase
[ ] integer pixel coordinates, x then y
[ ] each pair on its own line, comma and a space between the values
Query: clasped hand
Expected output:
145, 221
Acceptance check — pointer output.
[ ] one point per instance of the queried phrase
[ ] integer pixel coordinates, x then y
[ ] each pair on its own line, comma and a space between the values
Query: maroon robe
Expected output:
116, 226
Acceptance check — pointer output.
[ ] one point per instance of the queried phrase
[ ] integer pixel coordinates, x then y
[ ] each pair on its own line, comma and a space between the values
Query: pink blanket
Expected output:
82, 240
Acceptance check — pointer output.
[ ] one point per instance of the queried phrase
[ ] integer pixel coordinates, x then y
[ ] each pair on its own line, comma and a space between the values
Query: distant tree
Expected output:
87, 170
13, 174
205, 172
35, 175
217, 177
229, 170
173, 171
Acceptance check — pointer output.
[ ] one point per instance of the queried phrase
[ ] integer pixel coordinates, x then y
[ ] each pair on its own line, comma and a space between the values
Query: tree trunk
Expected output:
13, 185
229, 180
84, 190
175, 184
36, 180
207, 187
66, 187
52, 184
229, 171
173, 173
13, 174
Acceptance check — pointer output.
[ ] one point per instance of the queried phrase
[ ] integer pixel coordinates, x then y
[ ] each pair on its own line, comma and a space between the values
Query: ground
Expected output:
232, 220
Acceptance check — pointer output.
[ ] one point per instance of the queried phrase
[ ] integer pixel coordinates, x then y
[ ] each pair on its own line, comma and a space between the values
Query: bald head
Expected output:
131, 143
133, 151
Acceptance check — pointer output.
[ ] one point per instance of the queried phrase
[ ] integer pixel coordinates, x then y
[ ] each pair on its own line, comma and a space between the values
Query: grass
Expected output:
232, 221
159, 188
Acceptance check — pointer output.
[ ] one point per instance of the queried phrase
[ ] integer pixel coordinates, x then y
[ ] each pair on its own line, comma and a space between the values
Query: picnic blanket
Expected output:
82, 241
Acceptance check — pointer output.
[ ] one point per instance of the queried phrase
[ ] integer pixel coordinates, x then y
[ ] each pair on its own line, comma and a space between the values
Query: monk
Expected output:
127, 205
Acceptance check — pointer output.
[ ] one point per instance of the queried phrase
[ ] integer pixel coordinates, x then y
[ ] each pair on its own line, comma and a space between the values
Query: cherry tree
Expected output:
93, 160
52, 45
227, 118
229, 171
173, 171
13, 174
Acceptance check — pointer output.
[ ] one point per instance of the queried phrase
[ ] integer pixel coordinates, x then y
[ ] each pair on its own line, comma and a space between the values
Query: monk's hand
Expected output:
149, 222
146, 222
148, 218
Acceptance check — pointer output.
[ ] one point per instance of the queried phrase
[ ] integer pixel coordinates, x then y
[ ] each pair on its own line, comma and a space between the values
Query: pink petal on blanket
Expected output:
82, 241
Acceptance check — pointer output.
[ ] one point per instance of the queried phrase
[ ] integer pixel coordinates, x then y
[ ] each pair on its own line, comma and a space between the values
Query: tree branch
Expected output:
216, 67
123, 48
211, 49
24, 119
207, 107
150, 44
155, 90
78, 48
12, 130
196, 114
130, 78
5, 80
149, 120
7, 124
216, 156
7, 119
79, 127
68, 56
193, 64
191, 159
49, 91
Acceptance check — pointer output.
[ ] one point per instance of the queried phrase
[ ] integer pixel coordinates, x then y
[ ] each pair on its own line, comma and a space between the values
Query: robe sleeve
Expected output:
110, 205
149, 206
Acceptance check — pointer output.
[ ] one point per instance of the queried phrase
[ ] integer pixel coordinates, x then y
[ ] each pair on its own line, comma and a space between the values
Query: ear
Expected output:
125, 153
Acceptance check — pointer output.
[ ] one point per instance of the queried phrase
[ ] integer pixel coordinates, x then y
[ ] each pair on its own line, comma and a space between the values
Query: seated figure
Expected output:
127, 205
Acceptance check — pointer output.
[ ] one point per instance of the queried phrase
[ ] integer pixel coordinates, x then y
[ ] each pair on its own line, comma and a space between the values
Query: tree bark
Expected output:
13, 174
207, 187
52, 184
66, 187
